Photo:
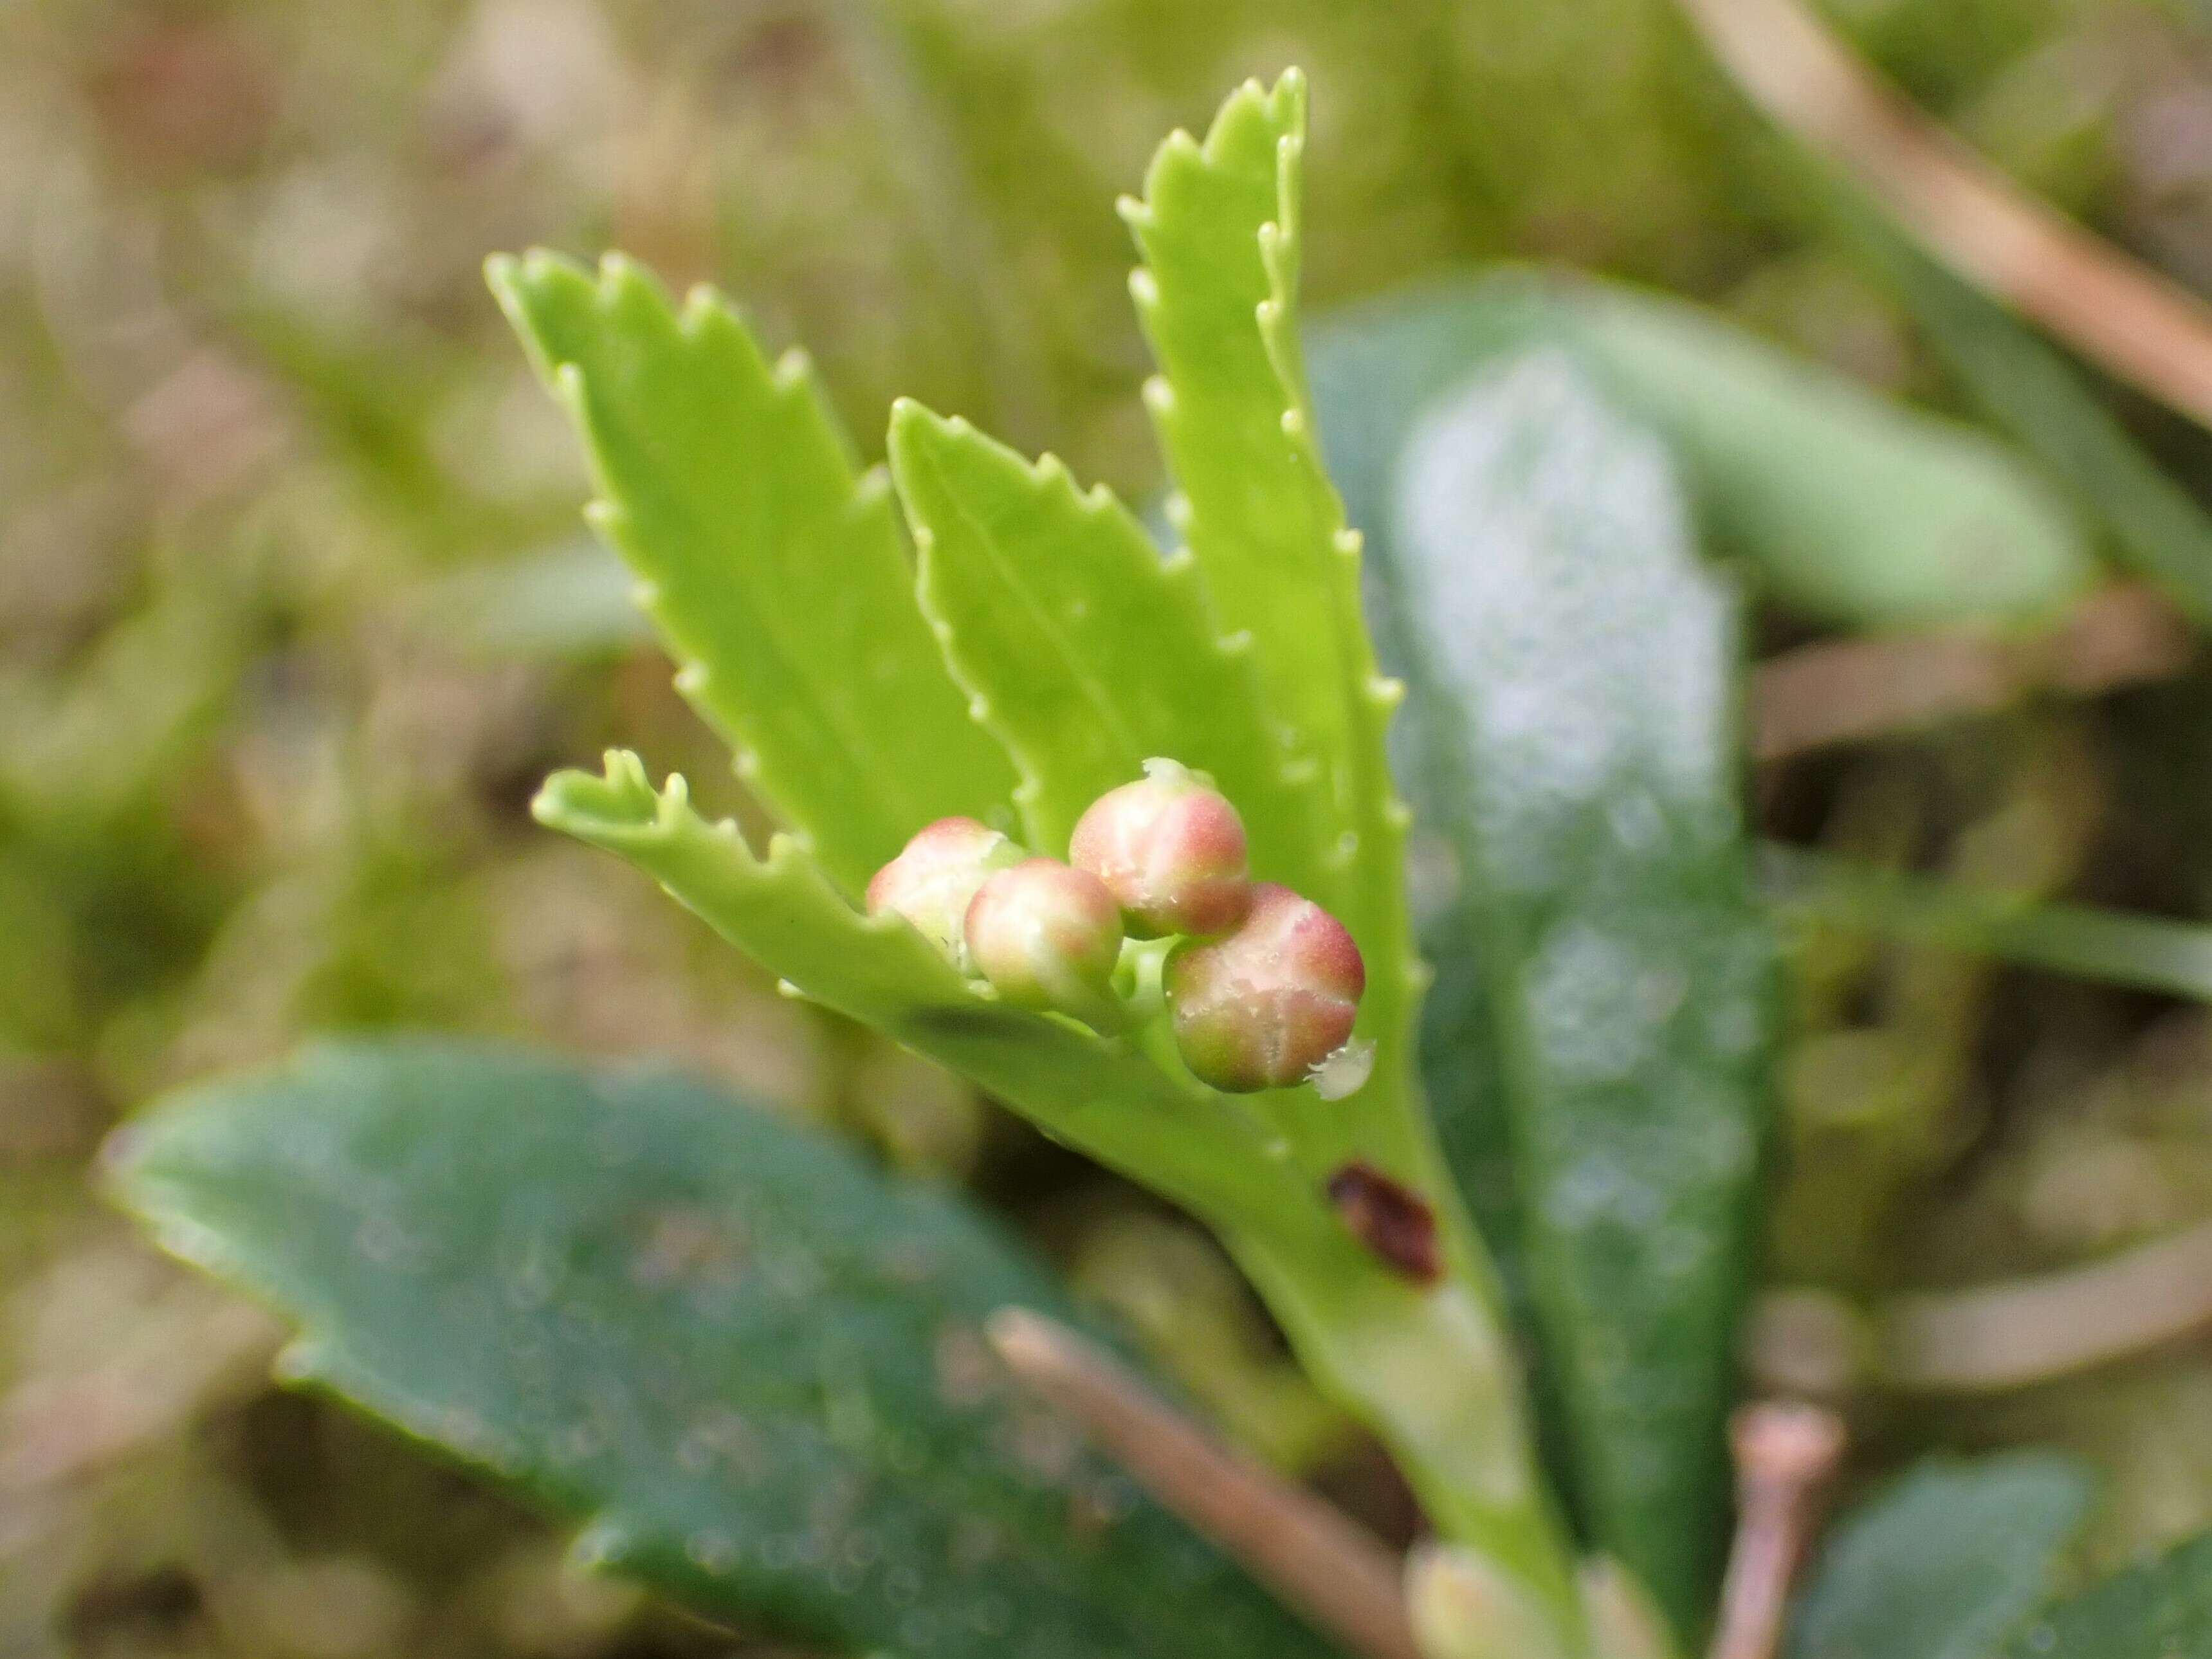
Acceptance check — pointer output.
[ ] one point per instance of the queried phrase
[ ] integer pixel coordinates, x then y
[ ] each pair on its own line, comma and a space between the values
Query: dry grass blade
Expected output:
1336, 1574
1843, 691
2029, 1330
2135, 323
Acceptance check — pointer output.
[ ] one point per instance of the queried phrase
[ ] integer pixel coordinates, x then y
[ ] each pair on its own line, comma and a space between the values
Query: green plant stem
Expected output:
1430, 1370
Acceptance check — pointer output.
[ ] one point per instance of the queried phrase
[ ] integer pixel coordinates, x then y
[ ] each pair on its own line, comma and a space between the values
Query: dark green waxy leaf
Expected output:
1852, 509
1575, 671
755, 1368
2160, 1610
1945, 1564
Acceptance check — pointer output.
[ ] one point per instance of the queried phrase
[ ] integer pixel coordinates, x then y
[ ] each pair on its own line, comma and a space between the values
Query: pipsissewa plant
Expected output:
1112, 832
760, 1374
1054, 653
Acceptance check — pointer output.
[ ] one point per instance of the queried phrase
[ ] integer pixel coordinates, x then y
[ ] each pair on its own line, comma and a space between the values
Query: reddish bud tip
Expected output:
1045, 936
932, 881
1171, 850
1260, 1008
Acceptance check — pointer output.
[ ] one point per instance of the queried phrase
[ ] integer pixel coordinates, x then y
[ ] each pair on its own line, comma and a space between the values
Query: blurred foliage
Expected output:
292, 620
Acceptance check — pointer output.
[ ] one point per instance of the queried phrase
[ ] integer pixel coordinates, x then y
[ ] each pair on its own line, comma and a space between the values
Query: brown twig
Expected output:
1310, 1555
2029, 1330
1843, 690
1785, 1455
2139, 326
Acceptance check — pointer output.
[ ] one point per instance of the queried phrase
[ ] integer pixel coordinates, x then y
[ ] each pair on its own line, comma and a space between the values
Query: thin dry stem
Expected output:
2114, 311
1785, 1455
2029, 1330
1846, 690
1336, 1573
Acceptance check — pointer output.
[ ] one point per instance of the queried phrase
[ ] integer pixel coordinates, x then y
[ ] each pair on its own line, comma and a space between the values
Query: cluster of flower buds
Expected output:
1262, 986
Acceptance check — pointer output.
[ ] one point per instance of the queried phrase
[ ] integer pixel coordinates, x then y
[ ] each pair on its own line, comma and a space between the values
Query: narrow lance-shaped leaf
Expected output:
1578, 669
1219, 228
1863, 510
755, 1369
773, 569
1945, 1564
1849, 506
1087, 653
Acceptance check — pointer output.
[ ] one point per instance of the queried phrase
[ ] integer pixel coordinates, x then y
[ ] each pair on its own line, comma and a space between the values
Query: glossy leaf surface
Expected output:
754, 1368
1850, 508
1945, 1564
2160, 1610
1575, 670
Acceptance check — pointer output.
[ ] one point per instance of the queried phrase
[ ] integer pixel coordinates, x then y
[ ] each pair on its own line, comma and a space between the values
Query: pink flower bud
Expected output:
1171, 851
1047, 936
932, 881
1262, 1008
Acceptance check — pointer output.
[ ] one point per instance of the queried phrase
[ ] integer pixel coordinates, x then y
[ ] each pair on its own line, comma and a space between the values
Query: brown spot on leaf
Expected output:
1388, 1218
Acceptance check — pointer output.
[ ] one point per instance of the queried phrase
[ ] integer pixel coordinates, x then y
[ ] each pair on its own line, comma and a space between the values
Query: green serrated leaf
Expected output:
2160, 1610
1945, 1562
752, 1367
1087, 653
773, 567
1217, 227
1851, 508
1578, 666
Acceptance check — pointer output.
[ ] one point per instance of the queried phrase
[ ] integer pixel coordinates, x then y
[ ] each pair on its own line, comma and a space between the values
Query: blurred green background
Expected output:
296, 610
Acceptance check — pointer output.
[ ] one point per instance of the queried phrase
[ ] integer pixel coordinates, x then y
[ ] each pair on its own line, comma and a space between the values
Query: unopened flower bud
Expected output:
1047, 936
933, 881
1261, 1007
1171, 851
